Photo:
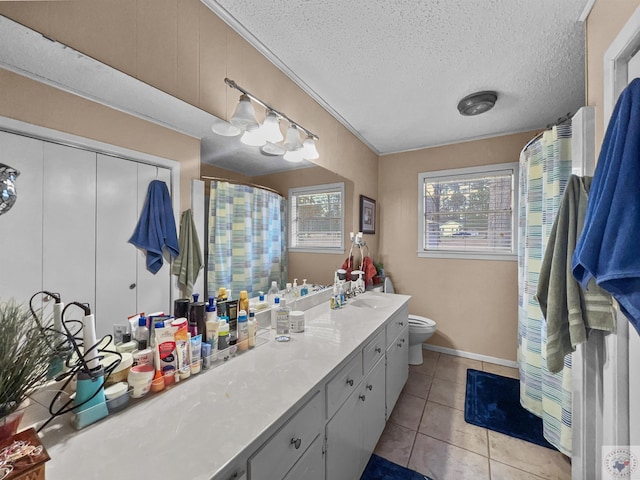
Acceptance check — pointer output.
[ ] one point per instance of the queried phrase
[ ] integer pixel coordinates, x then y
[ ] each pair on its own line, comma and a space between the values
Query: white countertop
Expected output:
193, 430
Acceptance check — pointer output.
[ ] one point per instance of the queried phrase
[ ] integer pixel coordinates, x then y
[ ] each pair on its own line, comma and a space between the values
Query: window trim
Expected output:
313, 189
470, 172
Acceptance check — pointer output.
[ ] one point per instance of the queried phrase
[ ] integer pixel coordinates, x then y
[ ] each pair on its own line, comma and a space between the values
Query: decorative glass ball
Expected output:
8, 192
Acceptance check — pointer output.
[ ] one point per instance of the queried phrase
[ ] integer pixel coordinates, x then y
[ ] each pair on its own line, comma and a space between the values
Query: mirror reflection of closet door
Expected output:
69, 212
21, 227
153, 291
116, 218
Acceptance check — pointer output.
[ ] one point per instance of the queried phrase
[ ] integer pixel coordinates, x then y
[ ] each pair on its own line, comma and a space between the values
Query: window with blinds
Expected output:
469, 212
317, 218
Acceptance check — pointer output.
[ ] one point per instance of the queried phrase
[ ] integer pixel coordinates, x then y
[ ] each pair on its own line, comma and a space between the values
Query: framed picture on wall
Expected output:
367, 215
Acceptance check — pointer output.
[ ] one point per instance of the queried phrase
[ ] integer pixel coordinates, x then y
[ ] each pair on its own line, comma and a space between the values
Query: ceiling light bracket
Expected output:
269, 108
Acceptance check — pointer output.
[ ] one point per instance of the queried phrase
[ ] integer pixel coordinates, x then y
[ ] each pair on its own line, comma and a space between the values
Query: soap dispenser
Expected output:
304, 290
262, 304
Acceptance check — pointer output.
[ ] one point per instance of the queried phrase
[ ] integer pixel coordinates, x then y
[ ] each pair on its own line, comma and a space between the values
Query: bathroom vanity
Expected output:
312, 408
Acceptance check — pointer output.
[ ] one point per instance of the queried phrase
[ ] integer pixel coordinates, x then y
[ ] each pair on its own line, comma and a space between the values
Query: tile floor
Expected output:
427, 432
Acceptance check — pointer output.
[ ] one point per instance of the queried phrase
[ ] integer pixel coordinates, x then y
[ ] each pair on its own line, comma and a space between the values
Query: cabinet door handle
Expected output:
132, 286
402, 340
378, 350
296, 442
401, 324
399, 344
350, 382
362, 397
370, 387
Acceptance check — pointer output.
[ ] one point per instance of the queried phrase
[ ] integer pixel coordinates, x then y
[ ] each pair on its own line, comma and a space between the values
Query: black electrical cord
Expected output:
80, 362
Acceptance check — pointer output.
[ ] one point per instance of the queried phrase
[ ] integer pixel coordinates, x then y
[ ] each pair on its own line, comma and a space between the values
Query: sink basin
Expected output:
370, 302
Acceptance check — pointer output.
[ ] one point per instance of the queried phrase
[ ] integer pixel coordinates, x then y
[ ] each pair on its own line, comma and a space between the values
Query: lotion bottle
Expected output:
211, 329
243, 331
253, 328
223, 339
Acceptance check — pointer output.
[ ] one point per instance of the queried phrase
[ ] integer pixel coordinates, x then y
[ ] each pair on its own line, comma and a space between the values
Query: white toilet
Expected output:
420, 330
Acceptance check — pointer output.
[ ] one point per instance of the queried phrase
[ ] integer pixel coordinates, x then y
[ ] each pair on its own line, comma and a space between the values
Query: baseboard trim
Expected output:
473, 356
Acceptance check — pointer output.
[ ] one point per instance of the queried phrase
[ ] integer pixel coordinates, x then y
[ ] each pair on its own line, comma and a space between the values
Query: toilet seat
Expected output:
418, 322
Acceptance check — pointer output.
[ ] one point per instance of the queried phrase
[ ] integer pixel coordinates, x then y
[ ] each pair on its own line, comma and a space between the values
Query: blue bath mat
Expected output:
493, 402
380, 468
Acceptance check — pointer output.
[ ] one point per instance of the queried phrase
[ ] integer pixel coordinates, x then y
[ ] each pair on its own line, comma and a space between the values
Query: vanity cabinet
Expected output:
314, 412
397, 362
276, 457
353, 429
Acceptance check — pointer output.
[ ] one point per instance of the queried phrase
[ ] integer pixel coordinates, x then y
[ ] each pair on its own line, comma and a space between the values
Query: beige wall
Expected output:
474, 302
603, 25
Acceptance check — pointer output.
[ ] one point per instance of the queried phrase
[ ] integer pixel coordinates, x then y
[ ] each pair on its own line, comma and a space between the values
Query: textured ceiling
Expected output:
394, 71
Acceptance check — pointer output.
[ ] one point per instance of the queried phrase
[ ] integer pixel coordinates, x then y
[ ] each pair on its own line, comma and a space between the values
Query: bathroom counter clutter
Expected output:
210, 426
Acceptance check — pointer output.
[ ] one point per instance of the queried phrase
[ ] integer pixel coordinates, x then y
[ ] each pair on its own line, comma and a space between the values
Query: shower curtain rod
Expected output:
238, 182
560, 121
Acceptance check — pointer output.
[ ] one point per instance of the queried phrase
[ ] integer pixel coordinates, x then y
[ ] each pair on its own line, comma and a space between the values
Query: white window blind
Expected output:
468, 211
317, 218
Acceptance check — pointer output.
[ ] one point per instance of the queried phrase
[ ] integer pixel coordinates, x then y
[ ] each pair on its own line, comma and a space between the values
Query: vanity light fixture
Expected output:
477, 103
268, 136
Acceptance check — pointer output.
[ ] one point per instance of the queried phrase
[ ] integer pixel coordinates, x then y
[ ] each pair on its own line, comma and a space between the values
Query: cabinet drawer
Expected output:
395, 325
311, 465
284, 449
374, 351
342, 384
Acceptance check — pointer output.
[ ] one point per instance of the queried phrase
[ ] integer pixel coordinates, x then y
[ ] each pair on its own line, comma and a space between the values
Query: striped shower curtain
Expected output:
545, 167
247, 247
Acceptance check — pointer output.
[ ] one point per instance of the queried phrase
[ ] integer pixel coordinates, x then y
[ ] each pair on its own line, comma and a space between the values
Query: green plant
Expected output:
25, 353
379, 266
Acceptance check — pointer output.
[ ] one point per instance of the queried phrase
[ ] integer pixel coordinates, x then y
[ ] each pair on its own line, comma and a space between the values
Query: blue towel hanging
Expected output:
156, 227
607, 249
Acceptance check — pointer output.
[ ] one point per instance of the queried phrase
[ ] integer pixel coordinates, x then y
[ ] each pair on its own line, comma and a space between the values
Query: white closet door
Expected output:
21, 227
69, 243
154, 291
116, 217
